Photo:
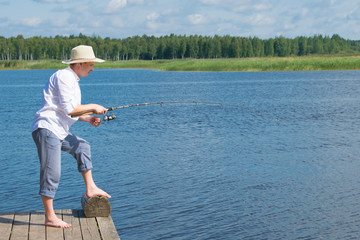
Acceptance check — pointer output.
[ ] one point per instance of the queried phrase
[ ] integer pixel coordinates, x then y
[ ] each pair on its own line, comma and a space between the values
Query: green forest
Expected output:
175, 47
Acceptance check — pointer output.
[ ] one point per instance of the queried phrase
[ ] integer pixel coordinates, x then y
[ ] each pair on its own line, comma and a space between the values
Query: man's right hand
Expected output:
99, 110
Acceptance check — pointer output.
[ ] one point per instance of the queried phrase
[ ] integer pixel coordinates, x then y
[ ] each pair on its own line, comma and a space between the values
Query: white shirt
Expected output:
61, 96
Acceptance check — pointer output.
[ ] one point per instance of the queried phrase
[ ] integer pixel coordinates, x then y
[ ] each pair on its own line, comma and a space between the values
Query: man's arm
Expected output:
87, 109
93, 120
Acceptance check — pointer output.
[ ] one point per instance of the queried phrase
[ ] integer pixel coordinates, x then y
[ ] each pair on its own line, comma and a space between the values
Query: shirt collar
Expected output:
76, 76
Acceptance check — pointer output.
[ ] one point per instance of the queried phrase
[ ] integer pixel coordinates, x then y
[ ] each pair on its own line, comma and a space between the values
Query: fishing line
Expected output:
112, 116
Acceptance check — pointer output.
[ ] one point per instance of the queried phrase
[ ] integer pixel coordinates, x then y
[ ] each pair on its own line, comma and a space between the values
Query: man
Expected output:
50, 129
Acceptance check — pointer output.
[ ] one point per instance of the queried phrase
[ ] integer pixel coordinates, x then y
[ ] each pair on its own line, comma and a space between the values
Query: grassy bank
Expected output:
243, 64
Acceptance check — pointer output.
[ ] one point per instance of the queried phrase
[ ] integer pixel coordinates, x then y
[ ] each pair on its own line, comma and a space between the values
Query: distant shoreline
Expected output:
311, 63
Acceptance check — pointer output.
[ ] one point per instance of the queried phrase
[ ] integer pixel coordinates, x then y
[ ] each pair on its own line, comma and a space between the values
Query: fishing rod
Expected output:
112, 117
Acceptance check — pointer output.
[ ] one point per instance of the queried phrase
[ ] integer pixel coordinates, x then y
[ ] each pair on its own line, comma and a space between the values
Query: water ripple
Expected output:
283, 167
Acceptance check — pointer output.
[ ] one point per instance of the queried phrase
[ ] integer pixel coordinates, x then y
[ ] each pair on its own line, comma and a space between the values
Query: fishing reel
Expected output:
109, 117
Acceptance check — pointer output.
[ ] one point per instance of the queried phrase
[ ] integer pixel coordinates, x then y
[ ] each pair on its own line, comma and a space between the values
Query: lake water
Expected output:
284, 165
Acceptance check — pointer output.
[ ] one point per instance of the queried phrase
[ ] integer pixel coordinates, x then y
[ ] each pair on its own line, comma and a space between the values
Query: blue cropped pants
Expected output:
49, 148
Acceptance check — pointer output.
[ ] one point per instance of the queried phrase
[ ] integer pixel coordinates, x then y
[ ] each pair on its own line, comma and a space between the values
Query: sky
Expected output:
126, 18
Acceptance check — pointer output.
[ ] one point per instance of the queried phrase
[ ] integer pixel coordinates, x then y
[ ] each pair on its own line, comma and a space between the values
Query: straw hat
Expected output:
82, 54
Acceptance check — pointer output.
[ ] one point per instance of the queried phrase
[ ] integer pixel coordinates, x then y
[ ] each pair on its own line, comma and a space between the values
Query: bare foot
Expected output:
96, 192
58, 223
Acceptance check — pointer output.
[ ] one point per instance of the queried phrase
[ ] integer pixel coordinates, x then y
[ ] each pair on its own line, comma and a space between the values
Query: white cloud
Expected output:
168, 11
304, 12
114, 5
117, 22
153, 16
152, 25
261, 7
241, 9
261, 20
97, 23
58, 22
52, 1
289, 26
140, 2
226, 27
196, 19
211, 2
244, 7
31, 22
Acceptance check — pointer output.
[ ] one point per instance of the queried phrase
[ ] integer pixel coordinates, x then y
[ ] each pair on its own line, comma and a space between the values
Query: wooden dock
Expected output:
30, 226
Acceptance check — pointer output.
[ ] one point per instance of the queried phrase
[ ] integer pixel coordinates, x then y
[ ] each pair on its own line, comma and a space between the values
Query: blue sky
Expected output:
126, 18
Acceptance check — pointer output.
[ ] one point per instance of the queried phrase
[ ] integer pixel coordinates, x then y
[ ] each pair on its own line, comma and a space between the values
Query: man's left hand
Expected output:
95, 121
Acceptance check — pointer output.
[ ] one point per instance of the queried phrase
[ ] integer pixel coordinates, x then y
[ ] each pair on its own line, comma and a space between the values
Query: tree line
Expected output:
174, 47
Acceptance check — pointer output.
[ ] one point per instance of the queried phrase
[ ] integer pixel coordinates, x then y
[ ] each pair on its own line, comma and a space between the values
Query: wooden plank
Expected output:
72, 217
53, 233
21, 226
89, 227
6, 220
107, 228
37, 229
30, 225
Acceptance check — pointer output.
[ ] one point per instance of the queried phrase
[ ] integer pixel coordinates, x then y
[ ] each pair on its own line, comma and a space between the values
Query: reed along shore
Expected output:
309, 63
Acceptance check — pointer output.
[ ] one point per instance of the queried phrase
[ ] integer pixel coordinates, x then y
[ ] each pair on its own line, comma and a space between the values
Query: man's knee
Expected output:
80, 150
83, 156
74, 144
84, 147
